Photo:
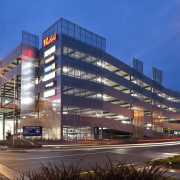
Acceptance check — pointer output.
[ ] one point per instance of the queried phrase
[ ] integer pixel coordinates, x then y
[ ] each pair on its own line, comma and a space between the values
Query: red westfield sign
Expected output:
50, 40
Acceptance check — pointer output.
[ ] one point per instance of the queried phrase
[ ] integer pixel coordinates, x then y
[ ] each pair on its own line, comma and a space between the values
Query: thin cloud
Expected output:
174, 32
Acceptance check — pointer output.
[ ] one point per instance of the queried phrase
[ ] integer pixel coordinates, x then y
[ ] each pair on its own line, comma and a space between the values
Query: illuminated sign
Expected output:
32, 130
49, 76
50, 84
49, 51
49, 93
50, 59
50, 40
49, 68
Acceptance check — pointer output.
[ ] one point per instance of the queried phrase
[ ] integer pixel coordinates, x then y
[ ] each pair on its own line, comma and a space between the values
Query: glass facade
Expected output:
76, 32
28, 98
81, 64
138, 107
79, 56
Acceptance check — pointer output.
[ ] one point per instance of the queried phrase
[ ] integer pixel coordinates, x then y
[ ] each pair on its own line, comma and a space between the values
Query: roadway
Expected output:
21, 161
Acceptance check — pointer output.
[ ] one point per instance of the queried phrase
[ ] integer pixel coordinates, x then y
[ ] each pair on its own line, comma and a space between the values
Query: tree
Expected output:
8, 135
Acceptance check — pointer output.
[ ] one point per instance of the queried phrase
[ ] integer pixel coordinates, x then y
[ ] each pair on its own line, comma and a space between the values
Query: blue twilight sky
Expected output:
148, 30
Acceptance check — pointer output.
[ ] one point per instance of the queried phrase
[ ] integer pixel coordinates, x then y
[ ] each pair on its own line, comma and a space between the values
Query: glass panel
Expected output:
88, 35
64, 31
71, 27
83, 33
71, 33
77, 36
64, 24
77, 29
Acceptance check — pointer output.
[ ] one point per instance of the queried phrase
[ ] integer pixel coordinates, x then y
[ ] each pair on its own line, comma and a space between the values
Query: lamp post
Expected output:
14, 108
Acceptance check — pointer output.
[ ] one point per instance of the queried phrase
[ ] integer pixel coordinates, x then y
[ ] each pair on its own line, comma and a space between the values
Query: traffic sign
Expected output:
32, 130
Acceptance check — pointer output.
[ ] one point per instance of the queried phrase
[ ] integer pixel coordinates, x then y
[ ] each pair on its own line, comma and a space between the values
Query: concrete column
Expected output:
4, 136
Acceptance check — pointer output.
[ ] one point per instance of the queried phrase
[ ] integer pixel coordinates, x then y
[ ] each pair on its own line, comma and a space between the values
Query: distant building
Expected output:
75, 90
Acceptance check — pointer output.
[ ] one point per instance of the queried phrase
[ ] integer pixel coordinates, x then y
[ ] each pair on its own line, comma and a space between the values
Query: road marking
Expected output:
68, 145
86, 172
11, 174
131, 164
154, 159
170, 154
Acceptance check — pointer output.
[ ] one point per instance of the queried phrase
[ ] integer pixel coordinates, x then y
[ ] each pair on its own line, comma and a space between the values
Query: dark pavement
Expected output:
21, 161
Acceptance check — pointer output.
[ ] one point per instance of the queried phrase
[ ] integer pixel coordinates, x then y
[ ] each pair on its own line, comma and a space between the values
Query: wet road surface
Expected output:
29, 160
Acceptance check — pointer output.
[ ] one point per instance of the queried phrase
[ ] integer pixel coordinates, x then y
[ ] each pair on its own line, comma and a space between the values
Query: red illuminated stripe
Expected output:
151, 140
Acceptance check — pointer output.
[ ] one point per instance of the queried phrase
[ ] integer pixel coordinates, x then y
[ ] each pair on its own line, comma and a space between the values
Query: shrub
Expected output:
109, 171
20, 143
8, 135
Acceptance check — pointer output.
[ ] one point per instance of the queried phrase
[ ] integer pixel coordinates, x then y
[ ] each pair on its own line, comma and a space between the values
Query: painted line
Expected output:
22, 150
154, 159
131, 164
64, 145
173, 172
11, 174
171, 154
86, 172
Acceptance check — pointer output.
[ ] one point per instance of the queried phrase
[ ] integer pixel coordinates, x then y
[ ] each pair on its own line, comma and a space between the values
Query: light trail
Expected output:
108, 147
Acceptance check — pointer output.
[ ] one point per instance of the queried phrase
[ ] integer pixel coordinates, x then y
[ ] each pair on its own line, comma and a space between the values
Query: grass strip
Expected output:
171, 162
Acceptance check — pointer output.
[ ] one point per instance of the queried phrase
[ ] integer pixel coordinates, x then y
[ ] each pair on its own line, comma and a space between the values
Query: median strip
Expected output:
10, 173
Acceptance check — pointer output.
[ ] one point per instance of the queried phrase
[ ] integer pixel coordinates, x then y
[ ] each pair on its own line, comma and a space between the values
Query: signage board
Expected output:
49, 51
49, 93
50, 84
49, 76
49, 68
32, 130
49, 59
50, 40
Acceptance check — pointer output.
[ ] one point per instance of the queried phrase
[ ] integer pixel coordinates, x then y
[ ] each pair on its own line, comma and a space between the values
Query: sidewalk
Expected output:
2, 177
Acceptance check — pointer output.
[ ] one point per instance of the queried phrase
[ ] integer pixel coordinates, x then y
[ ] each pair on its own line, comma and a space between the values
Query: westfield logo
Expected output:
50, 40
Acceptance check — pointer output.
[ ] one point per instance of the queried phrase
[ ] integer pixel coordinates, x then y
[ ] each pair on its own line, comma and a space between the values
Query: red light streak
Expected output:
151, 140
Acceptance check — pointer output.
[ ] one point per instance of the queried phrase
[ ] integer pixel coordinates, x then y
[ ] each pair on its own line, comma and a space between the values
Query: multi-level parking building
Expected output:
75, 90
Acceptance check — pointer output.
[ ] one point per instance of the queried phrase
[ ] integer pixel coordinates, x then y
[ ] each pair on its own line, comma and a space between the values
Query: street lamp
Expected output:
14, 108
